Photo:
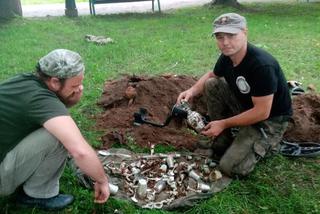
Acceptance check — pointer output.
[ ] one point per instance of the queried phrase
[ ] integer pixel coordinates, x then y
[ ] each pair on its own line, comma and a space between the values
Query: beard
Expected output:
70, 100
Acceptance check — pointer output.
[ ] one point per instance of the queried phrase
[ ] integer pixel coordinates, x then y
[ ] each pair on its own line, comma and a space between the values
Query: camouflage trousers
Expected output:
240, 148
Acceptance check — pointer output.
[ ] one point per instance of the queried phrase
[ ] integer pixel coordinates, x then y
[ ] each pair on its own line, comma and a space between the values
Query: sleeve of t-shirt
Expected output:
45, 105
264, 81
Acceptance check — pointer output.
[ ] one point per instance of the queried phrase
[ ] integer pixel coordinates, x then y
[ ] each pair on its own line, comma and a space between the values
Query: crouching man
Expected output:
246, 89
37, 133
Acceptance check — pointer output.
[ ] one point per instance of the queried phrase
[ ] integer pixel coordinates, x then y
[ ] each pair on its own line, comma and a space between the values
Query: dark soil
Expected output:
305, 125
123, 97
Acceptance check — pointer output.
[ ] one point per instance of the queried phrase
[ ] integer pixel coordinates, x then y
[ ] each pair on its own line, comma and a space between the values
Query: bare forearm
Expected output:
91, 166
260, 111
246, 118
66, 131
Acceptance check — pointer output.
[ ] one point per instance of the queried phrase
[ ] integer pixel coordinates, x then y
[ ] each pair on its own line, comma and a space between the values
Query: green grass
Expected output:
178, 42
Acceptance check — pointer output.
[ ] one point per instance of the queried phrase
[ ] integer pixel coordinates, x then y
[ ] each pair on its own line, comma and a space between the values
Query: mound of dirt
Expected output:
305, 125
123, 97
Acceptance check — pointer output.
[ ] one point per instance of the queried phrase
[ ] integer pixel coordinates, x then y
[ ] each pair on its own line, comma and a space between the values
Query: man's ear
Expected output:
54, 84
245, 31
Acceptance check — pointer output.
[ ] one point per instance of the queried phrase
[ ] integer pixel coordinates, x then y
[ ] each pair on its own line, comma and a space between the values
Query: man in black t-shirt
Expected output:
247, 98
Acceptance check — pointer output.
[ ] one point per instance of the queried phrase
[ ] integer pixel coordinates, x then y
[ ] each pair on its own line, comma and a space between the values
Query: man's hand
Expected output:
214, 128
185, 95
196, 89
101, 192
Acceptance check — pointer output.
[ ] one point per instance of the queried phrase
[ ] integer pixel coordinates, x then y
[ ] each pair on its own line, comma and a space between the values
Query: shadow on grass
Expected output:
125, 16
269, 8
7, 21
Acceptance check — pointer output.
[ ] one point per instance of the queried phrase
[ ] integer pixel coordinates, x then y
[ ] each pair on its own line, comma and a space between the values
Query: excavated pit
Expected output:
123, 97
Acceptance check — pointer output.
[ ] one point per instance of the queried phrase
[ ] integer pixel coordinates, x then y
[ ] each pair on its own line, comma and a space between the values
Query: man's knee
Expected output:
238, 169
212, 84
240, 164
242, 156
43, 143
44, 134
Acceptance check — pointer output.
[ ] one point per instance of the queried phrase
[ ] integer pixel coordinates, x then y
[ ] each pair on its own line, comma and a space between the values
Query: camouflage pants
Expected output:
240, 152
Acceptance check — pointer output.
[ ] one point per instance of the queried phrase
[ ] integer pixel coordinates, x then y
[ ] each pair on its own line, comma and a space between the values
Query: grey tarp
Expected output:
125, 168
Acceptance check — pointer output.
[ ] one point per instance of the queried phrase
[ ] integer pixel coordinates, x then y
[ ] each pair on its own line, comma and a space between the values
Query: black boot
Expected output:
54, 203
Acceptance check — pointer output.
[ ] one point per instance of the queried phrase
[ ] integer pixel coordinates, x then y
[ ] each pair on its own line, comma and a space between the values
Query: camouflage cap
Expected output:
61, 63
229, 23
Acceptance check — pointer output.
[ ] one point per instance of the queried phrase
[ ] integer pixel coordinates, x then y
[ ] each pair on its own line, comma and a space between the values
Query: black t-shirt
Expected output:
258, 74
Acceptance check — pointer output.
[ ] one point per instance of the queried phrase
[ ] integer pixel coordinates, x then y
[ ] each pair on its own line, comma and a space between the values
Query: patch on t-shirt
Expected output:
243, 85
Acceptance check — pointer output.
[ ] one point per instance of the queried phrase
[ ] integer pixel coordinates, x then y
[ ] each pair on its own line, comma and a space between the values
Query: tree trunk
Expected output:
233, 3
10, 8
71, 8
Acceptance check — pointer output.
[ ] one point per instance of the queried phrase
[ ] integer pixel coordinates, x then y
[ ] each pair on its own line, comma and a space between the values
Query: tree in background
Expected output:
10, 8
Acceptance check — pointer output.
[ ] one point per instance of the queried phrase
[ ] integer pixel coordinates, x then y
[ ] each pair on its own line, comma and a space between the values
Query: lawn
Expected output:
178, 42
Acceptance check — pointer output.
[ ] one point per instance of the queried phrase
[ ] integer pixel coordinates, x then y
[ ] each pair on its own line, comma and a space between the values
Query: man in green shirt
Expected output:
37, 133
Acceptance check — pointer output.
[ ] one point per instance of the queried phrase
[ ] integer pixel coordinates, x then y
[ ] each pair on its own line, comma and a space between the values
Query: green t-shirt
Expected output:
26, 104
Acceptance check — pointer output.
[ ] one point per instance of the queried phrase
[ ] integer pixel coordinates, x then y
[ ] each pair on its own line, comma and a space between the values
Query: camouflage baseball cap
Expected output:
229, 23
61, 63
